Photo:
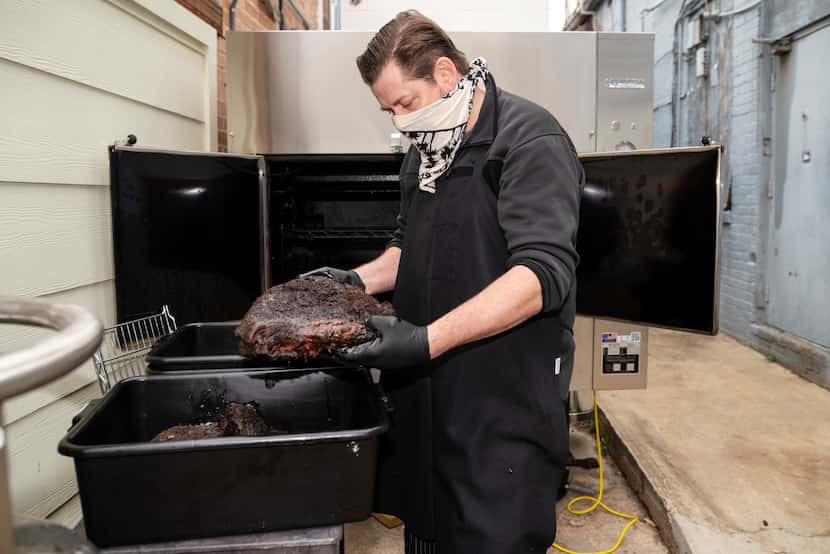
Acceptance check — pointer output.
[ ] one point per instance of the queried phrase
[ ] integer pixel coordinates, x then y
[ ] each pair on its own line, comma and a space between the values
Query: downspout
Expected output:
619, 16
232, 15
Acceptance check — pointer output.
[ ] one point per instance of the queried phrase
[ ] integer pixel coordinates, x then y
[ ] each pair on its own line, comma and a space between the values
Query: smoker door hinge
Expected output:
770, 189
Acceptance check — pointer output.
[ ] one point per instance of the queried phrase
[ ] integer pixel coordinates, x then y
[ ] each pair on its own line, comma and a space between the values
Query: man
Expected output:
483, 268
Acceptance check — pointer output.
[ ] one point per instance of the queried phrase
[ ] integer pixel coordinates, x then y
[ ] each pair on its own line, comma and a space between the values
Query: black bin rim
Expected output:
68, 447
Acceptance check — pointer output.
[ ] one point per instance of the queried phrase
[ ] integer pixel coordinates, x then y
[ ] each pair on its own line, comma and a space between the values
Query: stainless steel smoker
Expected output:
299, 93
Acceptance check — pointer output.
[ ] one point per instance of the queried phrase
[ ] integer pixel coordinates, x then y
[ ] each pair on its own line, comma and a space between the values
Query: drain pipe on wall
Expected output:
619, 16
232, 15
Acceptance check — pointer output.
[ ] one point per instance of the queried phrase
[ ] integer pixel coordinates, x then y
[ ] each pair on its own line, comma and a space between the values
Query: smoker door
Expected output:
649, 236
190, 230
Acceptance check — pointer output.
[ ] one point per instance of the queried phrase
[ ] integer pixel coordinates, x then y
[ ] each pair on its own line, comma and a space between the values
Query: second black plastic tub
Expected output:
200, 347
319, 471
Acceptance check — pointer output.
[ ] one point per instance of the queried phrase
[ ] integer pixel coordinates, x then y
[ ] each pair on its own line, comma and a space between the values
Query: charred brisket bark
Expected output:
308, 318
236, 420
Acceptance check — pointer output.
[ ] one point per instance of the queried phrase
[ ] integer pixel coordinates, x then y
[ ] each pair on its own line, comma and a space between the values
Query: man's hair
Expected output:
414, 42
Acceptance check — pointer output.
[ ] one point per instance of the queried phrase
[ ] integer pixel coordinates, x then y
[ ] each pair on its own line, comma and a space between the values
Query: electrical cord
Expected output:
597, 500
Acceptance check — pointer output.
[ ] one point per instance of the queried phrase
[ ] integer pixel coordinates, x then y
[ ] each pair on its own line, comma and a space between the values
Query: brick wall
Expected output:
251, 15
740, 274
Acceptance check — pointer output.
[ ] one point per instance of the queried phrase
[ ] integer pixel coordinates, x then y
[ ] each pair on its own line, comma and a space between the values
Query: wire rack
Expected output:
367, 233
124, 346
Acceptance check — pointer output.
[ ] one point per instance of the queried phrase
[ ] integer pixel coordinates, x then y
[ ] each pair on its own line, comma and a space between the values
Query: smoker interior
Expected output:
335, 211
318, 471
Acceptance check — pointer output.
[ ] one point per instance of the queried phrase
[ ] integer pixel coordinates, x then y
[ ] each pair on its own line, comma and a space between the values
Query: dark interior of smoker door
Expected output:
186, 234
335, 211
647, 239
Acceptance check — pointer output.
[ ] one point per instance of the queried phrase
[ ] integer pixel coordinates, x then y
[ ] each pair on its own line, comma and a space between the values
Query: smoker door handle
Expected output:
79, 335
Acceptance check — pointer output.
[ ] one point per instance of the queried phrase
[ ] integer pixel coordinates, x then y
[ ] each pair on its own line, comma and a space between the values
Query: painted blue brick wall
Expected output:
740, 286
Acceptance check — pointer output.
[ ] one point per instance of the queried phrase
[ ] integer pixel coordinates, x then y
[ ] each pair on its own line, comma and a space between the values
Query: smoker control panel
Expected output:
620, 355
621, 352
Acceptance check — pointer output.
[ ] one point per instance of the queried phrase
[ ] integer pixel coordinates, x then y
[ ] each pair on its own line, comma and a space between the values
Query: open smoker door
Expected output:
190, 230
649, 237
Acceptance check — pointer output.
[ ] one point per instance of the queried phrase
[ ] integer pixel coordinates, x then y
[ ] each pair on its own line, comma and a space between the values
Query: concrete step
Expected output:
729, 452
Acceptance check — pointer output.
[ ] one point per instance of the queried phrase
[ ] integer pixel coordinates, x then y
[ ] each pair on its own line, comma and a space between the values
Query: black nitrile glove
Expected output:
400, 345
347, 276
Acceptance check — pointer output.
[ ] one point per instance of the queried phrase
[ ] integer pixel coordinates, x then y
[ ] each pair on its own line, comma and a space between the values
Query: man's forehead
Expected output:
390, 84
390, 77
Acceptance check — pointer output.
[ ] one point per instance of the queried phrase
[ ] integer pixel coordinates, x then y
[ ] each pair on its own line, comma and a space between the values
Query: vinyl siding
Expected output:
76, 77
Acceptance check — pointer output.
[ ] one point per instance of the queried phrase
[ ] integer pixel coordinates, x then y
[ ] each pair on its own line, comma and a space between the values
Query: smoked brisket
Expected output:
307, 318
236, 420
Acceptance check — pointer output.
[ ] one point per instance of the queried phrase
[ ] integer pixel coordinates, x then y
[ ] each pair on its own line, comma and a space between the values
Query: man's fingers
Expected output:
381, 323
319, 271
360, 353
346, 354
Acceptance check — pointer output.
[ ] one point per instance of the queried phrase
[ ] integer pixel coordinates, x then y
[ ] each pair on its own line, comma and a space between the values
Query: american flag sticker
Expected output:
609, 338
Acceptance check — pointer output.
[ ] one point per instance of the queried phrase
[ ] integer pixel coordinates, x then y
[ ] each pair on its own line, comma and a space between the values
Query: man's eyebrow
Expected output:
397, 101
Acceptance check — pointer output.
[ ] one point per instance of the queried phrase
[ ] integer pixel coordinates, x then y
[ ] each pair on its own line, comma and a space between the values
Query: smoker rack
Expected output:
353, 234
125, 345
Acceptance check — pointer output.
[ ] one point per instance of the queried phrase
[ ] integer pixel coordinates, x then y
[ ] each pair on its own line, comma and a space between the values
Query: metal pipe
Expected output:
579, 13
649, 9
232, 15
619, 16
593, 15
306, 23
79, 335
735, 11
334, 15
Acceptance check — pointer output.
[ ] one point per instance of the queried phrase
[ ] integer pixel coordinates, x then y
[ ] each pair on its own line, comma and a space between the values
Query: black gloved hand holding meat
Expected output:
399, 345
345, 275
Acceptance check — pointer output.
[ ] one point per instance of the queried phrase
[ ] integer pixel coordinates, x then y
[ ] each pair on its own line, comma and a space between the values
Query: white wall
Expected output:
75, 77
458, 15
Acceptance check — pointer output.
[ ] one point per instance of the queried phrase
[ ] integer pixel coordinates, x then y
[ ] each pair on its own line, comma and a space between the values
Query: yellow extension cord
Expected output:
597, 501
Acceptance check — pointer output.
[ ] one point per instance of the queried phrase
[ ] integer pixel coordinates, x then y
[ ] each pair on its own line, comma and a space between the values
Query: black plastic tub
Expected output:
320, 471
213, 347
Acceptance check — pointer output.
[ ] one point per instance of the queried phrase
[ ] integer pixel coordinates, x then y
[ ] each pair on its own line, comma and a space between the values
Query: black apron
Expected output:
479, 440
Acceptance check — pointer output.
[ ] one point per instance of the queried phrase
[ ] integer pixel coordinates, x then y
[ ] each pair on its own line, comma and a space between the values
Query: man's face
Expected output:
398, 94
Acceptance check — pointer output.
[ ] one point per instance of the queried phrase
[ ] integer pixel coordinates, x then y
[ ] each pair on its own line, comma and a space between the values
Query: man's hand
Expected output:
347, 276
400, 345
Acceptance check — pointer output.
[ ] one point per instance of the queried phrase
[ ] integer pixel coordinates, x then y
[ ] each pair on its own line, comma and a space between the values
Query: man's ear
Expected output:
445, 74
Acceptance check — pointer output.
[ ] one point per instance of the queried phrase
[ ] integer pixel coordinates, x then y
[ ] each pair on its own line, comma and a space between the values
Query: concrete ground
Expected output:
592, 532
730, 451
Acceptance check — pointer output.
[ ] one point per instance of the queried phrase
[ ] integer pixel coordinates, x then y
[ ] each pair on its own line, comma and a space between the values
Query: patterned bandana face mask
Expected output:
437, 130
